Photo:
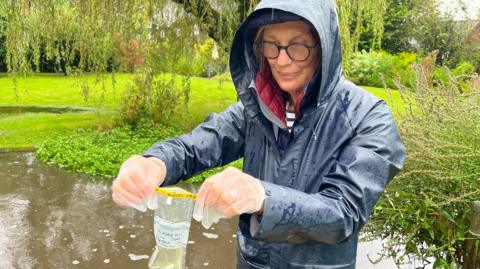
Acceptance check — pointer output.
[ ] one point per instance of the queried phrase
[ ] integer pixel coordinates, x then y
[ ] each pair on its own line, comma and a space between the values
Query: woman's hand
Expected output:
136, 182
227, 194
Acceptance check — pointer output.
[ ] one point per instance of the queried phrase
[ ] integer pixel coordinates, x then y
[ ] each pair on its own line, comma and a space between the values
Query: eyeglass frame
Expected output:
279, 48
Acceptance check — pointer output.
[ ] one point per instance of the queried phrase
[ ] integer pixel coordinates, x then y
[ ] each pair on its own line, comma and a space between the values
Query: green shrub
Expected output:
442, 75
207, 64
191, 66
403, 62
464, 69
461, 76
196, 61
381, 68
153, 99
426, 210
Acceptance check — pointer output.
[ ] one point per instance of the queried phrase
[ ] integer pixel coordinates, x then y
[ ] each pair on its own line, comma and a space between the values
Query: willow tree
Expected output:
88, 34
357, 17
102, 36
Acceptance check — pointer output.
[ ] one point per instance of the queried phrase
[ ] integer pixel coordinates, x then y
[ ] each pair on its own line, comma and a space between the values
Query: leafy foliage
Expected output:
113, 35
381, 68
203, 61
426, 210
102, 153
418, 26
153, 99
436, 31
464, 69
462, 76
96, 35
357, 17
399, 21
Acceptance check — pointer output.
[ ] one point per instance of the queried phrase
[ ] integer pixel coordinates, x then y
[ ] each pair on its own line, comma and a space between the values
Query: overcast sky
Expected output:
453, 7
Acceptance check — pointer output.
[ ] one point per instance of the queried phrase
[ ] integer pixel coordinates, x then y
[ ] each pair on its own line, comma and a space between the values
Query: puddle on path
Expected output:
51, 218
5, 110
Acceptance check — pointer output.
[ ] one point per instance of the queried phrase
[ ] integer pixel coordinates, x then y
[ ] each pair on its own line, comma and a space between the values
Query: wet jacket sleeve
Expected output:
219, 140
373, 155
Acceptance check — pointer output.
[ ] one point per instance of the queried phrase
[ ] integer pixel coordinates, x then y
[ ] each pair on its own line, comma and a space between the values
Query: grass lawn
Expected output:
392, 97
59, 90
55, 90
23, 131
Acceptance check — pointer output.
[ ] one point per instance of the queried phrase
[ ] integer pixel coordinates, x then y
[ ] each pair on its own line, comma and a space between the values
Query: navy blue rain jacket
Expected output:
320, 186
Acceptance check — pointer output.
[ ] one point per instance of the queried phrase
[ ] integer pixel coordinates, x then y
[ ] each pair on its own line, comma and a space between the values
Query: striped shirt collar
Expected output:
289, 116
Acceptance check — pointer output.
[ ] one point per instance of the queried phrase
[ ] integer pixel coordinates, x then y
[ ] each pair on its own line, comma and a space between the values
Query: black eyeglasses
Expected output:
296, 52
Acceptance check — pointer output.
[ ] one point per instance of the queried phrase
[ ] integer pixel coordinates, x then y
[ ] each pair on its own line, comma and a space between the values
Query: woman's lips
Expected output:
287, 75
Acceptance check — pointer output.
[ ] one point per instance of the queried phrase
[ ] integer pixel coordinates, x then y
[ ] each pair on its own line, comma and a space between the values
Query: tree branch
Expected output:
209, 17
213, 21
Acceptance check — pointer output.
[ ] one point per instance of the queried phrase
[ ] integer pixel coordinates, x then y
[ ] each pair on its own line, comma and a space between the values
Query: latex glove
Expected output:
136, 182
227, 194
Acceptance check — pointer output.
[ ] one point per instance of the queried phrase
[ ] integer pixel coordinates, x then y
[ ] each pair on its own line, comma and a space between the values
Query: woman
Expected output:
318, 151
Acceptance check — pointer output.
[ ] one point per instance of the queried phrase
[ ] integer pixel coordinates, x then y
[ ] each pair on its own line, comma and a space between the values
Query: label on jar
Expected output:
170, 234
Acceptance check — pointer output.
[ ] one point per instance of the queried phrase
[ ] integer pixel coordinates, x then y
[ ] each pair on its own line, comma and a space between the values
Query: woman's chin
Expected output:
289, 87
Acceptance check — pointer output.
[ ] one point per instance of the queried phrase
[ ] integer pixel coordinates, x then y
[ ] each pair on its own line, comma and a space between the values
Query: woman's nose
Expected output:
283, 58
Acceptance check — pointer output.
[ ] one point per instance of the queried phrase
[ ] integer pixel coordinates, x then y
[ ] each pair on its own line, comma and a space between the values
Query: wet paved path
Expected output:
52, 218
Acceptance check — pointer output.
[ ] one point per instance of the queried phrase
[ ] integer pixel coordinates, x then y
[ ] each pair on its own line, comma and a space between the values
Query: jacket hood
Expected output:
321, 15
